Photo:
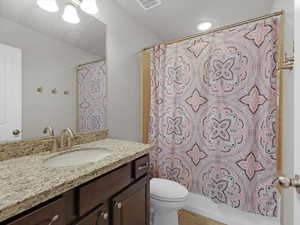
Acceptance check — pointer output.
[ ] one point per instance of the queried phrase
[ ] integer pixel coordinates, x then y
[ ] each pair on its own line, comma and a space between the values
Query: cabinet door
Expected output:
103, 215
90, 219
97, 217
131, 207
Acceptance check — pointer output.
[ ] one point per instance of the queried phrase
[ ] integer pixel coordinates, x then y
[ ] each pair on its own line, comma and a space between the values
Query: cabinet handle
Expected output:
118, 205
54, 219
143, 167
104, 215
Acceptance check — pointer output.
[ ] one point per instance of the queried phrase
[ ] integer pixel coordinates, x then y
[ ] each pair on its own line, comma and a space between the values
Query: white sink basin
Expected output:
78, 157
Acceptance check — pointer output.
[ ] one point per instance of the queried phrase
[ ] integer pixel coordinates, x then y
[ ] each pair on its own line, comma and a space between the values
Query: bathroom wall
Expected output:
50, 64
125, 38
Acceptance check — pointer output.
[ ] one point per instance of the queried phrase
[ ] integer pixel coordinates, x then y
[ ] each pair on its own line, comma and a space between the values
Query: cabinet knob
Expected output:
54, 219
118, 205
104, 215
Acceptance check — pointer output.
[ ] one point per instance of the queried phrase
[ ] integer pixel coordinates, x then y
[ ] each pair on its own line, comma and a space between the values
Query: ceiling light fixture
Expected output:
204, 26
89, 6
70, 14
48, 5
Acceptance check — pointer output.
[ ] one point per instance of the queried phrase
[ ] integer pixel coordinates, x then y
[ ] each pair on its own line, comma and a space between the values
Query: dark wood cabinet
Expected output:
51, 214
98, 191
132, 205
120, 197
141, 167
103, 215
99, 216
90, 219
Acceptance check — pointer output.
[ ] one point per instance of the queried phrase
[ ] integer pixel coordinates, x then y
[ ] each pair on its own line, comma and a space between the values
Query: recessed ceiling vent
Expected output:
149, 4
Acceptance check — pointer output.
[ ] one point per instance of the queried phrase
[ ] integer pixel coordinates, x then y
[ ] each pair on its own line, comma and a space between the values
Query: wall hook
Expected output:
54, 91
39, 89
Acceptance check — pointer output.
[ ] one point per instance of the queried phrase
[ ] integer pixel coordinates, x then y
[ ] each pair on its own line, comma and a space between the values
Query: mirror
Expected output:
52, 73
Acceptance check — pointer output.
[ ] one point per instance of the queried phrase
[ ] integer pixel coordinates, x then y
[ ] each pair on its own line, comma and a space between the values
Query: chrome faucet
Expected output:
66, 132
49, 130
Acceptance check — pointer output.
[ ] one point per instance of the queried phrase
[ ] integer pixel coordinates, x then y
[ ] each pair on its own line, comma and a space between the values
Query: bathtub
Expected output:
225, 214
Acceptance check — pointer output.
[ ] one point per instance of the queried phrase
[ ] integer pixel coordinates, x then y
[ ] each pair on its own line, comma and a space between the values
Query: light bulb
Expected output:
89, 6
48, 5
70, 14
204, 26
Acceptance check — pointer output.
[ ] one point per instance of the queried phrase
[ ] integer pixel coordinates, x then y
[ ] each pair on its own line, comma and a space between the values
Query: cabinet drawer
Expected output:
53, 213
99, 190
141, 166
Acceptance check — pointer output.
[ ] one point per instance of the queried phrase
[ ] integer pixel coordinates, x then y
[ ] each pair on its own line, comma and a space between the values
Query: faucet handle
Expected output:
71, 135
49, 130
68, 131
69, 142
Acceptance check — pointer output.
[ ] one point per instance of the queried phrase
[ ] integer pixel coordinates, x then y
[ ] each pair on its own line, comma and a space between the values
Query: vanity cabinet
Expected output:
120, 197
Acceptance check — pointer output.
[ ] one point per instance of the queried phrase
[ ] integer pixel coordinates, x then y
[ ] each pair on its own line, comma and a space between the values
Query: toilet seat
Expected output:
167, 191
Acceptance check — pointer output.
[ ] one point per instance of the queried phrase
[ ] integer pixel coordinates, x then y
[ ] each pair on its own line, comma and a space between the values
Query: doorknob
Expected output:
286, 182
16, 132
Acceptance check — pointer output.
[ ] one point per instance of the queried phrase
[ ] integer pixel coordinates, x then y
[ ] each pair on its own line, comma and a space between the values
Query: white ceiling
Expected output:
179, 18
89, 35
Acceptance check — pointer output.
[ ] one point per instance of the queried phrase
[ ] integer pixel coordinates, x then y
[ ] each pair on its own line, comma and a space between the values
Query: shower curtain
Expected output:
213, 115
91, 82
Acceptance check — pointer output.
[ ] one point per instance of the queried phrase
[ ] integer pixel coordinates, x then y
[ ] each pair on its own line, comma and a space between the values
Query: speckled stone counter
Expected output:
15, 149
26, 181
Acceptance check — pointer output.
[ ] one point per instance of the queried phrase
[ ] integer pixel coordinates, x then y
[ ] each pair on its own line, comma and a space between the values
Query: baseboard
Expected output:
189, 218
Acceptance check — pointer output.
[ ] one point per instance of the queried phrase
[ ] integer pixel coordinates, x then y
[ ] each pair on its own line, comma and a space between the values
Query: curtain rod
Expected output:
95, 61
219, 29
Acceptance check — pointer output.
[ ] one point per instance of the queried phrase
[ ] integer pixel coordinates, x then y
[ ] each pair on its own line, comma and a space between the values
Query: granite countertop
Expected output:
26, 181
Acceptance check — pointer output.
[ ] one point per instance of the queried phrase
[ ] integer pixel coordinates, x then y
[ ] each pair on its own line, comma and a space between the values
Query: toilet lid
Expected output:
166, 190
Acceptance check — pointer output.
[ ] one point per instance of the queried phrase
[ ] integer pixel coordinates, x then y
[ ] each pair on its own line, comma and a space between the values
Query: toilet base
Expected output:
165, 218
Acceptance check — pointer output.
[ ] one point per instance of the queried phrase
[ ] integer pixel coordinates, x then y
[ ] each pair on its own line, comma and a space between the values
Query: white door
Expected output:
10, 93
297, 110
291, 199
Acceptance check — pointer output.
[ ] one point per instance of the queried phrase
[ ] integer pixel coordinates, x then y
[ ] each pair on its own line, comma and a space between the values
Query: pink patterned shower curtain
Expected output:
92, 83
213, 115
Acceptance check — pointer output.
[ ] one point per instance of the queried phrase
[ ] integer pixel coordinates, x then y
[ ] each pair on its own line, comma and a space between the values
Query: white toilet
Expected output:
166, 198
